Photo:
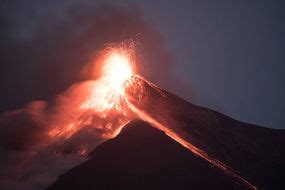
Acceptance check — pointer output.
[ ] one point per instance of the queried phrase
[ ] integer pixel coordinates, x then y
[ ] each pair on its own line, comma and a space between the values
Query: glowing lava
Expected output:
117, 69
99, 104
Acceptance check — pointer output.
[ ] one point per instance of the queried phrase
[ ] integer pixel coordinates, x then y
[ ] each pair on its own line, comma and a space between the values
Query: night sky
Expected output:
225, 55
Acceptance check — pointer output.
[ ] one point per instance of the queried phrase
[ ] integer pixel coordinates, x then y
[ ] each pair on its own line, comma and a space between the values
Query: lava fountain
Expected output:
98, 104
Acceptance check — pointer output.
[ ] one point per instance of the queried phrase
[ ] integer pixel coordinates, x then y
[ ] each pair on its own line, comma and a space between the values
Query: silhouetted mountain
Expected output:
143, 157
256, 152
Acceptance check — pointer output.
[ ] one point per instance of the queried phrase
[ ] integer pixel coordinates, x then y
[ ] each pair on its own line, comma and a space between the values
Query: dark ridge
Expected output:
142, 157
256, 152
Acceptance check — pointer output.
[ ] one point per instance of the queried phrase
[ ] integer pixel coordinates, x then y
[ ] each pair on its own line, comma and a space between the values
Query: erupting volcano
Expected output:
145, 130
100, 95
119, 96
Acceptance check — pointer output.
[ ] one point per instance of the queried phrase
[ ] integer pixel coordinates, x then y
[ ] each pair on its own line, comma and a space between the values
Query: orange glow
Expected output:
117, 69
99, 103
110, 88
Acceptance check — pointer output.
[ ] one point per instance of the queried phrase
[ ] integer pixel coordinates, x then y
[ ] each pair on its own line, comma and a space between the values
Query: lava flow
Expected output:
104, 104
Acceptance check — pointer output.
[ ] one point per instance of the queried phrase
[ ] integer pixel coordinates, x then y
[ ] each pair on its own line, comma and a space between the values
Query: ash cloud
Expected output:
22, 128
44, 50
44, 46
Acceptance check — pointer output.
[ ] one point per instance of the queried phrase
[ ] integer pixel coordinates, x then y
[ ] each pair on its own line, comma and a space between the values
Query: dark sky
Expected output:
229, 53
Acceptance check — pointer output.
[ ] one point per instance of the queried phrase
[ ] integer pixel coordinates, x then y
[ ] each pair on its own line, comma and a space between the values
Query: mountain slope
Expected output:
142, 157
257, 153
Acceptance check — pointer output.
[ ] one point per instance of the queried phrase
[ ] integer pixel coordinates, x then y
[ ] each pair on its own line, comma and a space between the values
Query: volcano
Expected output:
178, 145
